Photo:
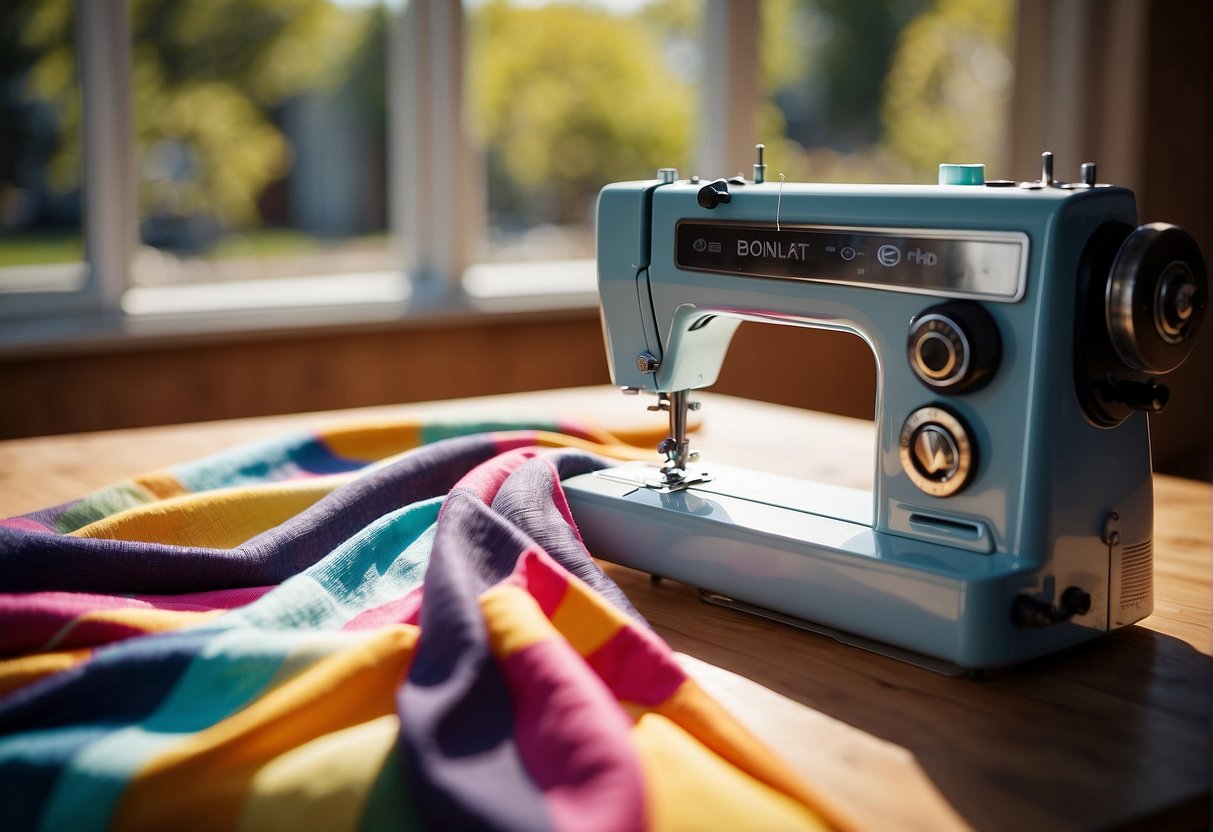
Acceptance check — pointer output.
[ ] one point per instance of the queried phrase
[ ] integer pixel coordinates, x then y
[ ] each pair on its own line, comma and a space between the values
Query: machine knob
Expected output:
954, 347
714, 193
1155, 298
647, 363
937, 452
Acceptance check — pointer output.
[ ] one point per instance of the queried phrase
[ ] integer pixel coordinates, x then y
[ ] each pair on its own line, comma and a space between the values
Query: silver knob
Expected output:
760, 167
939, 350
954, 347
937, 451
647, 363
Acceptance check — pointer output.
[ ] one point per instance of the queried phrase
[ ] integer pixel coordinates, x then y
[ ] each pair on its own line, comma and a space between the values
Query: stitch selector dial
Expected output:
937, 452
954, 347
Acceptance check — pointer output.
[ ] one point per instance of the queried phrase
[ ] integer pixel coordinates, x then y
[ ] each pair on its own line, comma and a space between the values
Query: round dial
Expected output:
937, 451
954, 347
1155, 298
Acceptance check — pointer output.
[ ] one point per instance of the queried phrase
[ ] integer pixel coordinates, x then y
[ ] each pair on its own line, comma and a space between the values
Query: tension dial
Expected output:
954, 347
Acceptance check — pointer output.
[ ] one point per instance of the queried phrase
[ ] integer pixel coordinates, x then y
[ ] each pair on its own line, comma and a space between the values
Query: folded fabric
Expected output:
377, 625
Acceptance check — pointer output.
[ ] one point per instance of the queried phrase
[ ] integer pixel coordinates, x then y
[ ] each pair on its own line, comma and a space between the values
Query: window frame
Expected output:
437, 198
108, 188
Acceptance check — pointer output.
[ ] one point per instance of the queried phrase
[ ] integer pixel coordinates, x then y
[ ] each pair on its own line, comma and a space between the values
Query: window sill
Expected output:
196, 312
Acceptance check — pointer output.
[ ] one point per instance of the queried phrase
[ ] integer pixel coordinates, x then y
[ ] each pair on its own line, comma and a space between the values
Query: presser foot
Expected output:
940, 666
676, 479
645, 475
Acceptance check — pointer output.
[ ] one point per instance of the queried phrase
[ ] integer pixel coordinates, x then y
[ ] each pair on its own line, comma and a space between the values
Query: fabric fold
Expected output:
377, 624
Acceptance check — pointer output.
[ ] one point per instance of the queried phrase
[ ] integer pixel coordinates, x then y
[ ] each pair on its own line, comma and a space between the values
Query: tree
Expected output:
206, 79
950, 85
568, 98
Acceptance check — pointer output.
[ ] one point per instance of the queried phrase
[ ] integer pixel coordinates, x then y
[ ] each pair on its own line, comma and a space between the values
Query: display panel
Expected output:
984, 265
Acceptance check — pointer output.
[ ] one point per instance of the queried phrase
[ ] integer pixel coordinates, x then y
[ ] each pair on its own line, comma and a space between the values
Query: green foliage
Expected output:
207, 75
564, 97
856, 54
785, 44
884, 90
40, 249
568, 98
950, 85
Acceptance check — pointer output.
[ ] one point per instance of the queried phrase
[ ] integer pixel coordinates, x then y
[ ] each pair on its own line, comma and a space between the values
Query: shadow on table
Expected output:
1114, 733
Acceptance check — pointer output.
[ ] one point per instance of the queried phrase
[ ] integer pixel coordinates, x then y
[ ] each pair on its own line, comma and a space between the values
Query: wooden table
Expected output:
1114, 734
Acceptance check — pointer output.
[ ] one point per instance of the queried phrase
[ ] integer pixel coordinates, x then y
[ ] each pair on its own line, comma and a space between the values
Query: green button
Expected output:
962, 174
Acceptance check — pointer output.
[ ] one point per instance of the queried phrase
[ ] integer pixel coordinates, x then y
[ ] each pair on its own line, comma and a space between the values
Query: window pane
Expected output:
886, 90
567, 97
41, 246
260, 131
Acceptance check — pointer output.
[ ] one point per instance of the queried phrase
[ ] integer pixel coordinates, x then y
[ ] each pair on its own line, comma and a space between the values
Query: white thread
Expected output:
778, 202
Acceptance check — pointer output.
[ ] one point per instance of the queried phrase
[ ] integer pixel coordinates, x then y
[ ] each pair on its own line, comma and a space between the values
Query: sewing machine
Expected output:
1019, 331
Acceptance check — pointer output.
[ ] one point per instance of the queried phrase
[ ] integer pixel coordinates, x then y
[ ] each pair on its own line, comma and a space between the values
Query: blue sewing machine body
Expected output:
1012, 508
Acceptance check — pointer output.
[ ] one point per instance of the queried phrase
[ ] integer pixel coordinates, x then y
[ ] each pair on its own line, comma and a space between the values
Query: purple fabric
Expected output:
457, 728
544, 523
32, 561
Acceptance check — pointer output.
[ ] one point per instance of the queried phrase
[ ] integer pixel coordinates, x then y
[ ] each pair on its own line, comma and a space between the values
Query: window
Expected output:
261, 139
41, 231
886, 91
238, 158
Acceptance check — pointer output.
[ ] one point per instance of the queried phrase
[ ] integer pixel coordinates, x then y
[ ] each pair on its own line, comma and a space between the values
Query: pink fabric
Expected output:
397, 611
574, 740
221, 599
543, 580
34, 619
486, 479
25, 524
647, 682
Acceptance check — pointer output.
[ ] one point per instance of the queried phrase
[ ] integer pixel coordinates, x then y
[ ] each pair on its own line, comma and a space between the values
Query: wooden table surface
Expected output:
1113, 734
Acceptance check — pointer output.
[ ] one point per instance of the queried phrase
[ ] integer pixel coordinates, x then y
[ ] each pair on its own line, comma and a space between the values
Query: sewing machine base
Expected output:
808, 551
939, 666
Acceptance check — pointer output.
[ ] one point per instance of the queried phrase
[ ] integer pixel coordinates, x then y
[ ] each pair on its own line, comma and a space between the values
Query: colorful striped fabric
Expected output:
378, 625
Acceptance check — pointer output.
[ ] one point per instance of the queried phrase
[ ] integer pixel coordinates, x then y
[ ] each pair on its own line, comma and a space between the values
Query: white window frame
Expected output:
437, 197
108, 192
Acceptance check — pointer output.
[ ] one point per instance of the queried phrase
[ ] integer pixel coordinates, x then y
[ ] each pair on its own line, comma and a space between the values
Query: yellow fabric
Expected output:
643, 432
750, 787
20, 671
692, 789
343, 690
379, 440
146, 619
701, 716
514, 620
371, 440
323, 784
586, 619
219, 519
611, 447
160, 484
225, 518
